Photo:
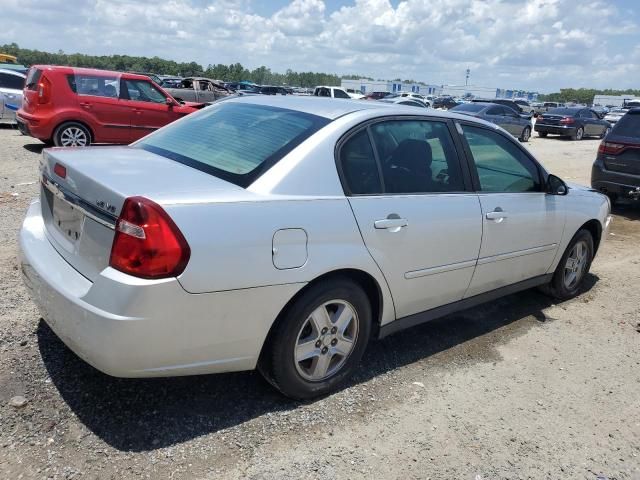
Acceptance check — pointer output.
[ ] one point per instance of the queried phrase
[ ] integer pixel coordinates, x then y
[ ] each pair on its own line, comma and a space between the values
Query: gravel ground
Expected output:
520, 388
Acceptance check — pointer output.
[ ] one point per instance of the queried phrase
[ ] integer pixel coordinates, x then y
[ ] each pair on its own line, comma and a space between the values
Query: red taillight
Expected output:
60, 170
609, 148
147, 243
44, 90
567, 120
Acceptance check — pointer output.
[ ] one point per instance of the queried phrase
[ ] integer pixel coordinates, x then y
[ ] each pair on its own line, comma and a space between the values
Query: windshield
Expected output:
233, 141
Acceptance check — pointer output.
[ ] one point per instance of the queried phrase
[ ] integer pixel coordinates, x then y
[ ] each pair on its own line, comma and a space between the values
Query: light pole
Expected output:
466, 82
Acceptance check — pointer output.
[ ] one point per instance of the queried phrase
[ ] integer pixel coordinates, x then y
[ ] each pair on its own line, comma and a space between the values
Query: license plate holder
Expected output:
69, 221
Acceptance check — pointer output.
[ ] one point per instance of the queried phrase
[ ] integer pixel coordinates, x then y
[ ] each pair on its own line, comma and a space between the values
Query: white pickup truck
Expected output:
335, 92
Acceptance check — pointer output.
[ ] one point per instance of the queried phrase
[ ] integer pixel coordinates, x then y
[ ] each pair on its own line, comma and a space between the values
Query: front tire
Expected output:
573, 267
319, 340
526, 134
72, 134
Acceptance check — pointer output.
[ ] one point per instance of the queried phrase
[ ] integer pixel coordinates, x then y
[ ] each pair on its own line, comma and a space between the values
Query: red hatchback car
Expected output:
71, 107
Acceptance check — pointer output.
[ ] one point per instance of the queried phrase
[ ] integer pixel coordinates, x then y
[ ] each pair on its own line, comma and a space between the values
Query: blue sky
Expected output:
540, 45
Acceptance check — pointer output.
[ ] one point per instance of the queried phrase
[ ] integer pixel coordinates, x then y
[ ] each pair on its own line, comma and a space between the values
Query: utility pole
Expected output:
466, 82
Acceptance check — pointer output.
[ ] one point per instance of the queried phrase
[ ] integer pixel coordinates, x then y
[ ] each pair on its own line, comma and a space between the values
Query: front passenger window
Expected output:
501, 165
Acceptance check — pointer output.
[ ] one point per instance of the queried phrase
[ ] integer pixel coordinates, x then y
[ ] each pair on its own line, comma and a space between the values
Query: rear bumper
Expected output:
555, 129
129, 327
35, 126
618, 183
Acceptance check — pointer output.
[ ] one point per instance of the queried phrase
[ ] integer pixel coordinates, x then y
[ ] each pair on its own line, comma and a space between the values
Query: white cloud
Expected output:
533, 44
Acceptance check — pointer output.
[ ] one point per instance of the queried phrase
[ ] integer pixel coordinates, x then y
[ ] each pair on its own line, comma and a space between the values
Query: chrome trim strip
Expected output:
439, 269
94, 213
517, 253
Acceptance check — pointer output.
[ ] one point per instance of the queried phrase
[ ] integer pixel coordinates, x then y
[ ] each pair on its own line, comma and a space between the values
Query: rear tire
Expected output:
72, 134
542, 134
525, 135
578, 134
573, 267
319, 340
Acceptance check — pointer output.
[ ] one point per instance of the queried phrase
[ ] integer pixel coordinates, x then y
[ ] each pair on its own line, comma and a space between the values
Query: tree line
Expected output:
228, 73
583, 95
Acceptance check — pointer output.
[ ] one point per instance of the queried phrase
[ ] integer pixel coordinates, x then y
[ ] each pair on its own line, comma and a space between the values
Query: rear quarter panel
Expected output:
232, 244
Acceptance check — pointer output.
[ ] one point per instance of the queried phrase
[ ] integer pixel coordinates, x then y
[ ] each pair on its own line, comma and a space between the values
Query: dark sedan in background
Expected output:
574, 122
445, 103
616, 171
507, 118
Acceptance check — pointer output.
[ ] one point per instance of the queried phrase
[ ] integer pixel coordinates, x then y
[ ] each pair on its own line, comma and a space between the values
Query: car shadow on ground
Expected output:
34, 147
627, 209
146, 414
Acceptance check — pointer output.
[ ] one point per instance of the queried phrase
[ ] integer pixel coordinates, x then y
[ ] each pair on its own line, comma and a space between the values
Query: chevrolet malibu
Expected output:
286, 233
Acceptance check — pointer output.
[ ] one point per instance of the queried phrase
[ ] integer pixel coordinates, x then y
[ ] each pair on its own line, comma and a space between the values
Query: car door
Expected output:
522, 225
206, 92
98, 97
413, 205
597, 126
496, 114
148, 107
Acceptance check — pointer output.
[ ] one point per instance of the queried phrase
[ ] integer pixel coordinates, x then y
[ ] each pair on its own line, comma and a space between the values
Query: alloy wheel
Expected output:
579, 134
576, 265
325, 341
73, 137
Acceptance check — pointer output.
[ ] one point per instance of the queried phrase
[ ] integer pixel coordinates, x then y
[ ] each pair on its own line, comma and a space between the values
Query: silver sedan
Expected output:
286, 233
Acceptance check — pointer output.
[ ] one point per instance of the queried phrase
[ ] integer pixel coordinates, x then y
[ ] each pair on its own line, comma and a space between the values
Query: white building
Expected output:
367, 86
612, 100
486, 92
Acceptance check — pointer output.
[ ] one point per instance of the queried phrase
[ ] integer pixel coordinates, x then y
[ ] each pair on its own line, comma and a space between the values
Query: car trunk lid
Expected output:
83, 191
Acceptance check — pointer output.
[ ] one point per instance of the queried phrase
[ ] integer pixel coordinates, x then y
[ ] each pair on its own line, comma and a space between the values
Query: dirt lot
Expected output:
520, 388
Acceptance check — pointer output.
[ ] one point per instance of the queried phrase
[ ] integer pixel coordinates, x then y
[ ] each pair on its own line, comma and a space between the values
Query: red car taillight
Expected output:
567, 120
44, 90
609, 148
147, 243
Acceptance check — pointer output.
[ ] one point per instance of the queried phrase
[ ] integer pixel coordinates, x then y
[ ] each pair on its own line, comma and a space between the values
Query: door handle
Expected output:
393, 223
85, 105
498, 215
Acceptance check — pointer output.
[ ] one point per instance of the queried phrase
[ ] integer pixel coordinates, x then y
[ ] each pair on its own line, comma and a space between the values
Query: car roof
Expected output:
13, 72
332, 108
90, 71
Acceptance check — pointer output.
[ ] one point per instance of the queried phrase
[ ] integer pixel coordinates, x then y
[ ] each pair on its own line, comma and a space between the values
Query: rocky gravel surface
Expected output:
521, 388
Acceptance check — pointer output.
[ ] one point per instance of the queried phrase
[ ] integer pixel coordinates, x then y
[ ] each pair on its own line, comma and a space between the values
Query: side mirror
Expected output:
556, 186
170, 101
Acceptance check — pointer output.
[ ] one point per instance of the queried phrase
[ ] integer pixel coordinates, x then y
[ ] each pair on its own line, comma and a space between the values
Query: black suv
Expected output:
444, 102
616, 171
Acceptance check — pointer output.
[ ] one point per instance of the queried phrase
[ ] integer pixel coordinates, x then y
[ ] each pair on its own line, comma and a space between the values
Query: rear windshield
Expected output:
33, 77
469, 107
628, 125
234, 141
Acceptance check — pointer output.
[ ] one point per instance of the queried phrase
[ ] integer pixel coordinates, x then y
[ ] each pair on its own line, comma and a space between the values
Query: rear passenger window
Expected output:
13, 82
417, 157
96, 86
359, 165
